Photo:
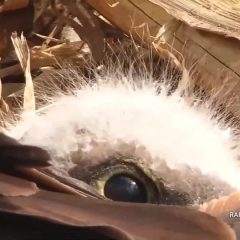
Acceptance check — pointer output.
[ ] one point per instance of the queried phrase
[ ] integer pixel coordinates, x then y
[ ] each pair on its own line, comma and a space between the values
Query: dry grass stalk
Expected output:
23, 54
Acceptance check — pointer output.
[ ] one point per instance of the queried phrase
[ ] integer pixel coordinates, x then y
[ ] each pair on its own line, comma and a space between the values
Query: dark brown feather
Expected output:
119, 220
13, 153
12, 186
29, 213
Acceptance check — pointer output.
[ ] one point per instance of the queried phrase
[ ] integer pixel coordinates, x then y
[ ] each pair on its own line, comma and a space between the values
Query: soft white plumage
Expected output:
183, 140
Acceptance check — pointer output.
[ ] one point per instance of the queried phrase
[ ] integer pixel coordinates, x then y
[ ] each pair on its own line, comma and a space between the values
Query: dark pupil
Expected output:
126, 189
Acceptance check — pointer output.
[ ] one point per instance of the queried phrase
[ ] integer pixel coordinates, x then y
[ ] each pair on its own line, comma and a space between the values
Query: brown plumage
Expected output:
29, 212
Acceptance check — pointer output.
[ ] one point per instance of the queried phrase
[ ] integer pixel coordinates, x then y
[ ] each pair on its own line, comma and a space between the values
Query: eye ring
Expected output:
108, 177
149, 189
146, 188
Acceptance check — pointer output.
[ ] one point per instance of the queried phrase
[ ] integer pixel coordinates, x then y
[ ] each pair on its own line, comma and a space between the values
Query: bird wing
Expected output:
28, 211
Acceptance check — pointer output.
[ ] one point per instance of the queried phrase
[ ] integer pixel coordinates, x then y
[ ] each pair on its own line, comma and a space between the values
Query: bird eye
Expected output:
128, 180
125, 188
120, 180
